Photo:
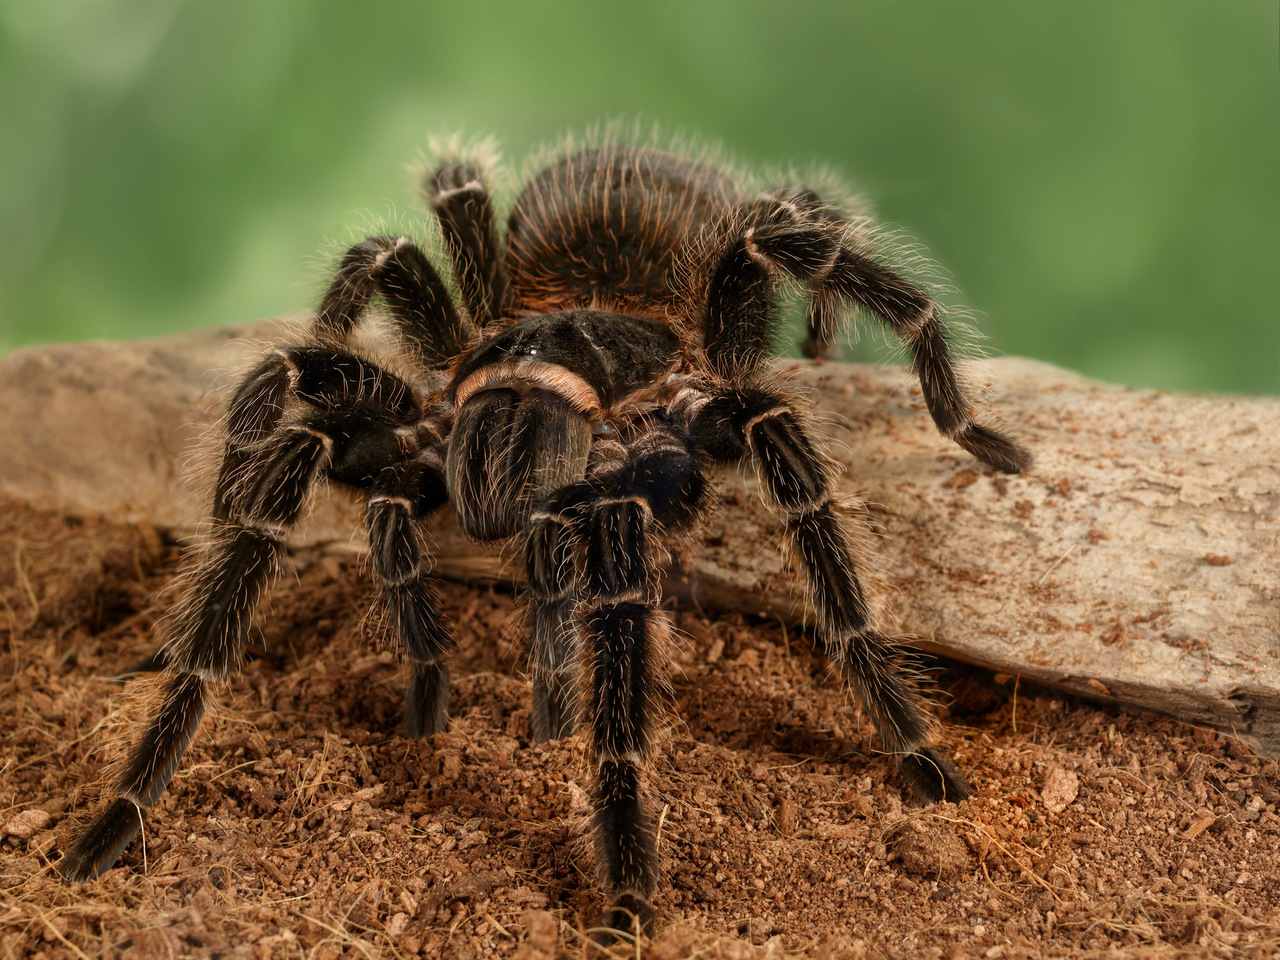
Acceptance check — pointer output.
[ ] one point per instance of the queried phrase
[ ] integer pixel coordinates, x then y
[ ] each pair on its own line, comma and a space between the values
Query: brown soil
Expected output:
303, 823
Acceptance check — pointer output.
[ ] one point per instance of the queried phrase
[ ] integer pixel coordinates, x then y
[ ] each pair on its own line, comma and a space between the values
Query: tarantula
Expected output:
608, 350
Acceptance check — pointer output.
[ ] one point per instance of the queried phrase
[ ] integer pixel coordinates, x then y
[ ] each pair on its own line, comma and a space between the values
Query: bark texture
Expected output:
1138, 562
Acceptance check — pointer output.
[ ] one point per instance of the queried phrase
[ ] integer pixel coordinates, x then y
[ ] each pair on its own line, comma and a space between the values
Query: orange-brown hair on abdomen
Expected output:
605, 225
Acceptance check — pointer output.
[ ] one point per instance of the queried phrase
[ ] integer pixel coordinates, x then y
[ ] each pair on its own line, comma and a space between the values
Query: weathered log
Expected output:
1136, 563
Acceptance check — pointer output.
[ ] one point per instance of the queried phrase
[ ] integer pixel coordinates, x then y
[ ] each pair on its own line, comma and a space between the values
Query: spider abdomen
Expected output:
604, 227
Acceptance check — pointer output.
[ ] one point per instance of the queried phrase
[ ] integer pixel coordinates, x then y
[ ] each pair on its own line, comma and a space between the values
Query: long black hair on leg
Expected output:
638, 491
461, 202
744, 416
359, 426
395, 269
402, 495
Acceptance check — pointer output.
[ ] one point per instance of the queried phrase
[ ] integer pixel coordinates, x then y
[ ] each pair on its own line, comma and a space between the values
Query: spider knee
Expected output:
393, 542
452, 179
796, 474
806, 253
258, 403
274, 486
383, 249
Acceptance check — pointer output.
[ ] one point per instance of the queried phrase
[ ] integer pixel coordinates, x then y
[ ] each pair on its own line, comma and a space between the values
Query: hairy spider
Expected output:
608, 350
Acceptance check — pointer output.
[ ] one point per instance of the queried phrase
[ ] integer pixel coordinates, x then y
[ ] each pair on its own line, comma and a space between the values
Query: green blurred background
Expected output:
1099, 178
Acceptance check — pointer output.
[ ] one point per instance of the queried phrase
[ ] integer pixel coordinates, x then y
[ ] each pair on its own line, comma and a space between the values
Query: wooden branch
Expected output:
1137, 563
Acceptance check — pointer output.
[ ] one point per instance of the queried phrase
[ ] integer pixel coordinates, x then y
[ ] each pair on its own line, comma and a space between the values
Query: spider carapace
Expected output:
610, 349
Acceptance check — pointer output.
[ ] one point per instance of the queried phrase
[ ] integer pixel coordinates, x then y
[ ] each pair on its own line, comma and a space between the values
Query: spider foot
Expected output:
426, 702
625, 920
102, 842
932, 777
994, 449
555, 707
454, 178
818, 349
154, 663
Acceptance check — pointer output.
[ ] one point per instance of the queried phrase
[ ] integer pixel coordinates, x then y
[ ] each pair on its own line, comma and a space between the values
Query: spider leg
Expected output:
207, 637
398, 271
324, 378
548, 564
796, 234
823, 316
661, 470
403, 494
633, 494
917, 319
758, 424
740, 322
461, 202
151, 765
263, 487
320, 376
752, 420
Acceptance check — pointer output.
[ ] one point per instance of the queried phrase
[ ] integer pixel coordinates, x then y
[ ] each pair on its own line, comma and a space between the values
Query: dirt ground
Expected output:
303, 823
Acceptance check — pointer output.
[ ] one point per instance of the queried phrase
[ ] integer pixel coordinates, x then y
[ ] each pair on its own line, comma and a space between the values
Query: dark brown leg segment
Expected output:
461, 203
761, 426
